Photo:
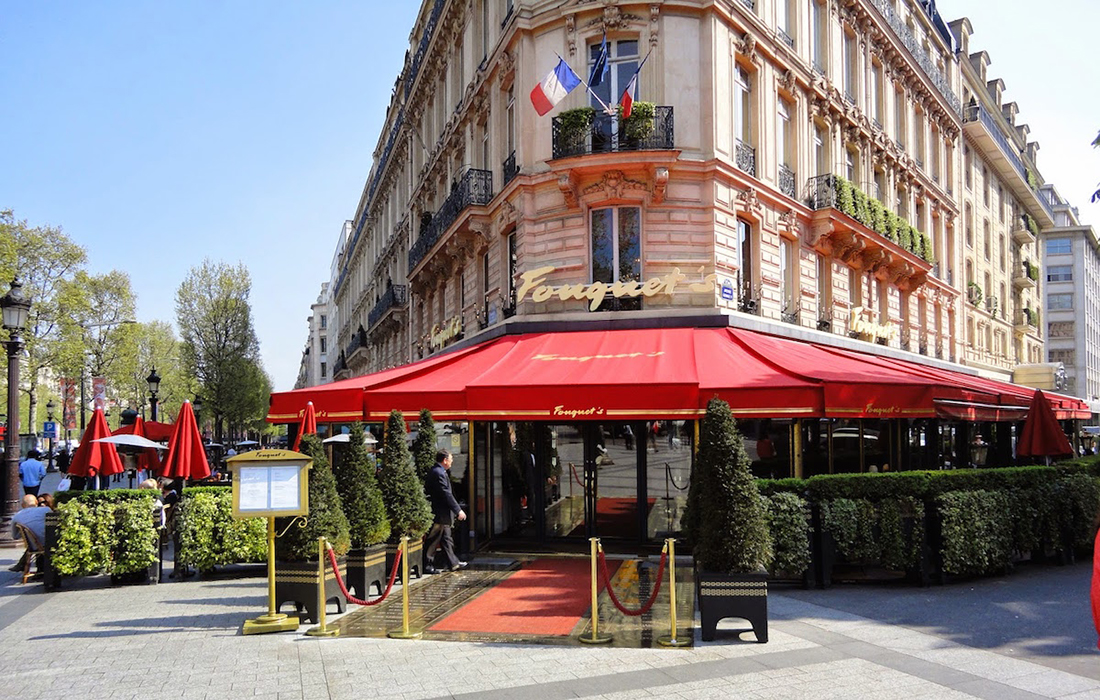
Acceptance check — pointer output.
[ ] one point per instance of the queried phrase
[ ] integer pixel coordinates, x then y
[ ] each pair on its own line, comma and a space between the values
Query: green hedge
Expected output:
109, 532
790, 531
210, 536
872, 214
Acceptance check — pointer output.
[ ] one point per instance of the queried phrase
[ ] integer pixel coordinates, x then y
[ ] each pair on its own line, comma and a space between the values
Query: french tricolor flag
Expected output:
554, 87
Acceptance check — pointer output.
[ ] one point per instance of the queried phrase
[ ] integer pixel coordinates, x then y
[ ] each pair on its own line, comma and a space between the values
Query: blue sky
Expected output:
160, 134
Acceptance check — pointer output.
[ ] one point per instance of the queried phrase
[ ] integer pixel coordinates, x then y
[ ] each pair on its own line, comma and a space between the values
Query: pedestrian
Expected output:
64, 457
444, 509
31, 472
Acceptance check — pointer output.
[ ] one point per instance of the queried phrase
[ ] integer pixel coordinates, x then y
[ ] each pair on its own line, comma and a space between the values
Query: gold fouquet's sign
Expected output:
533, 281
860, 322
442, 334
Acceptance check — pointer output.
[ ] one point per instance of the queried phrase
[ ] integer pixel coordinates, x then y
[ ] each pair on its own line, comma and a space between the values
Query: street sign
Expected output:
49, 429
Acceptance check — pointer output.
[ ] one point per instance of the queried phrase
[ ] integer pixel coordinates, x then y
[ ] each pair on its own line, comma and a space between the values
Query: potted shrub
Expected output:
368, 525
639, 126
727, 523
575, 125
424, 446
296, 567
403, 494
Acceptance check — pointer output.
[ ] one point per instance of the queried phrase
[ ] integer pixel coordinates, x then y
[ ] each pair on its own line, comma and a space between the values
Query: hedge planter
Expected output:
50, 578
296, 582
367, 567
416, 558
733, 595
143, 577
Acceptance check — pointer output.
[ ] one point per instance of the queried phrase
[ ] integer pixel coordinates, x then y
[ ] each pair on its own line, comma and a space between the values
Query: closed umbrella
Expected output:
1042, 436
186, 458
96, 458
308, 424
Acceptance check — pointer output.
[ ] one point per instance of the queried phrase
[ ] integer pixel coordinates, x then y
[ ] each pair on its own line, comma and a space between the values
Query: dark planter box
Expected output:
416, 557
296, 582
367, 567
145, 576
50, 578
732, 595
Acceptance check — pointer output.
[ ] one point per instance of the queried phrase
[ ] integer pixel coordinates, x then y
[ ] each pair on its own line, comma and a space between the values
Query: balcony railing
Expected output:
510, 168
475, 188
785, 38
786, 182
916, 50
358, 340
746, 157
606, 133
975, 113
396, 296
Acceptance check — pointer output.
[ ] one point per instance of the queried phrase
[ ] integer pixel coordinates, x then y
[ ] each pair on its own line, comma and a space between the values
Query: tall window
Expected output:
821, 153
485, 287
876, 93
819, 17
1002, 252
742, 105
486, 153
851, 63
788, 266
511, 281
617, 251
622, 61
899, 118
918, 139
324, 370
783, 21
324, 322
985, 185
511, 119
745, 275
855, 289
824, 288
324, 344
987, 243
850, 165
968, 167
969, 223
783, 134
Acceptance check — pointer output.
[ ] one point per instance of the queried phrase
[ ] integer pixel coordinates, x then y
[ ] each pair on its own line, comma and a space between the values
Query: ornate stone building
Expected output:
822, 170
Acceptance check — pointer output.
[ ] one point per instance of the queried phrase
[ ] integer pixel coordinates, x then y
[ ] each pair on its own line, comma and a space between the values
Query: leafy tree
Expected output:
402, 492
218, 343
359, 492
725, 515
326, 515
44, 258
424, 447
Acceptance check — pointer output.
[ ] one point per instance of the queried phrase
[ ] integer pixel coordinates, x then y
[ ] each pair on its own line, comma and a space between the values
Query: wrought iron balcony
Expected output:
510, 168
357, 342
606, 133
475, 188
975, 114
916, 50
395, 297
786, 182
746, 157
785, 38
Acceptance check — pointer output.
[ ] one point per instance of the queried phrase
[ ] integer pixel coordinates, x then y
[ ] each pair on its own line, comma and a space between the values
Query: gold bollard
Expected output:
595, 638
321, 630
404, 632
672, 640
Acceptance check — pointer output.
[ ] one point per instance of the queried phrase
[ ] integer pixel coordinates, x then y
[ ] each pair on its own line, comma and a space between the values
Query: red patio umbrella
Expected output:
95, 458
1042, 436
154, 430
148, 459
186, 458
308, 424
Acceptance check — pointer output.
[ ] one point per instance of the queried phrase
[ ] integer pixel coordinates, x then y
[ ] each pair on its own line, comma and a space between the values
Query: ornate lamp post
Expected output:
154, 386
50, 406
15, 308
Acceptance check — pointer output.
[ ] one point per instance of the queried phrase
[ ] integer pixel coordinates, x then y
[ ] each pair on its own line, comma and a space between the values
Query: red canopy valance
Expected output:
660, 373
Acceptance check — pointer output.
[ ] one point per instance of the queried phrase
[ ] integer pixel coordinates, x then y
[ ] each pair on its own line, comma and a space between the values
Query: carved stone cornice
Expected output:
507, 214
613, 18
746, 46
660, 185
750, 202
614, 185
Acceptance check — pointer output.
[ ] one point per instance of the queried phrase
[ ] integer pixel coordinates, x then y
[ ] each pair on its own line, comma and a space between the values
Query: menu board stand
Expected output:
271, 484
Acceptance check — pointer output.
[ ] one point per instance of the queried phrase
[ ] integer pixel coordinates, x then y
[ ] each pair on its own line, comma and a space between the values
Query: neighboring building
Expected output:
315, 368
1071, 267
1002, 215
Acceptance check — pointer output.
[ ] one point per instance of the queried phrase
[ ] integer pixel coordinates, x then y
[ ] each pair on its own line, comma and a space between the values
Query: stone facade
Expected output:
801, 171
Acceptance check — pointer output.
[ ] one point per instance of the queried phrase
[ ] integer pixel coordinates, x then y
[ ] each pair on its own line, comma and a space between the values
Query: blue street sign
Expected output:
49, 429
727, 290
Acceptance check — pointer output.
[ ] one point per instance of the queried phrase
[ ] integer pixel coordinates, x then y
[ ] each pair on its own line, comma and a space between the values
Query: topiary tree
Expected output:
424, 447
725, 514
326, 514
359, 492
402, 492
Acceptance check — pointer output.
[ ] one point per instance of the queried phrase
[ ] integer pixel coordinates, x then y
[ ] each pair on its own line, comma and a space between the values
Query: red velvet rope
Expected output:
573, 469
344, 589
652, 596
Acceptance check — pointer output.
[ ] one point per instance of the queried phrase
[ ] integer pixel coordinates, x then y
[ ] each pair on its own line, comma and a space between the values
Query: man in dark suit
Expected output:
445, 509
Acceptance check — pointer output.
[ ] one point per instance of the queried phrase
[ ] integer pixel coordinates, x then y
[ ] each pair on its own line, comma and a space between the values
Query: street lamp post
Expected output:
16, 308
50, 406
154, 385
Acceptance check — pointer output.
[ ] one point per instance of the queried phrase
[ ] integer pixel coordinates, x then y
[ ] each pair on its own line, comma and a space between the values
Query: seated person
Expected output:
32, 517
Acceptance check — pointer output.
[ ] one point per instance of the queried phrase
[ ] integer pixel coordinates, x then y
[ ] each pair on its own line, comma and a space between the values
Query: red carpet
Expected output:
545, 597
616, 518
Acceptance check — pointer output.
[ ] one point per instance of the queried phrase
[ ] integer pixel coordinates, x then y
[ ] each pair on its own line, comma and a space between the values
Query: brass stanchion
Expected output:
404, 632
672, 640
595, 638
321, 630
273, 621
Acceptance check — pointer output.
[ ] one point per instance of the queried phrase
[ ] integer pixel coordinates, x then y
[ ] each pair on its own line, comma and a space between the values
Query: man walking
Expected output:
31, 472
445, 508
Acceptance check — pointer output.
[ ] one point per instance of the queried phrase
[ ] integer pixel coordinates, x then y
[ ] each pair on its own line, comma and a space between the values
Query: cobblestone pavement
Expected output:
1022, 636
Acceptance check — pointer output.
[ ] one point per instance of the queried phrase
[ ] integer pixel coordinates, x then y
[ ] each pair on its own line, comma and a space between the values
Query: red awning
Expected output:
659, 373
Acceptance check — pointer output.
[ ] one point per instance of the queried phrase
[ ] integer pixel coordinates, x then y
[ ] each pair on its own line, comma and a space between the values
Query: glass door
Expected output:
613, 483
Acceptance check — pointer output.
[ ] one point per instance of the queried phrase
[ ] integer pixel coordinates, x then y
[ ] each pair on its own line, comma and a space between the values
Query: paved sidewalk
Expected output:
182, 640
